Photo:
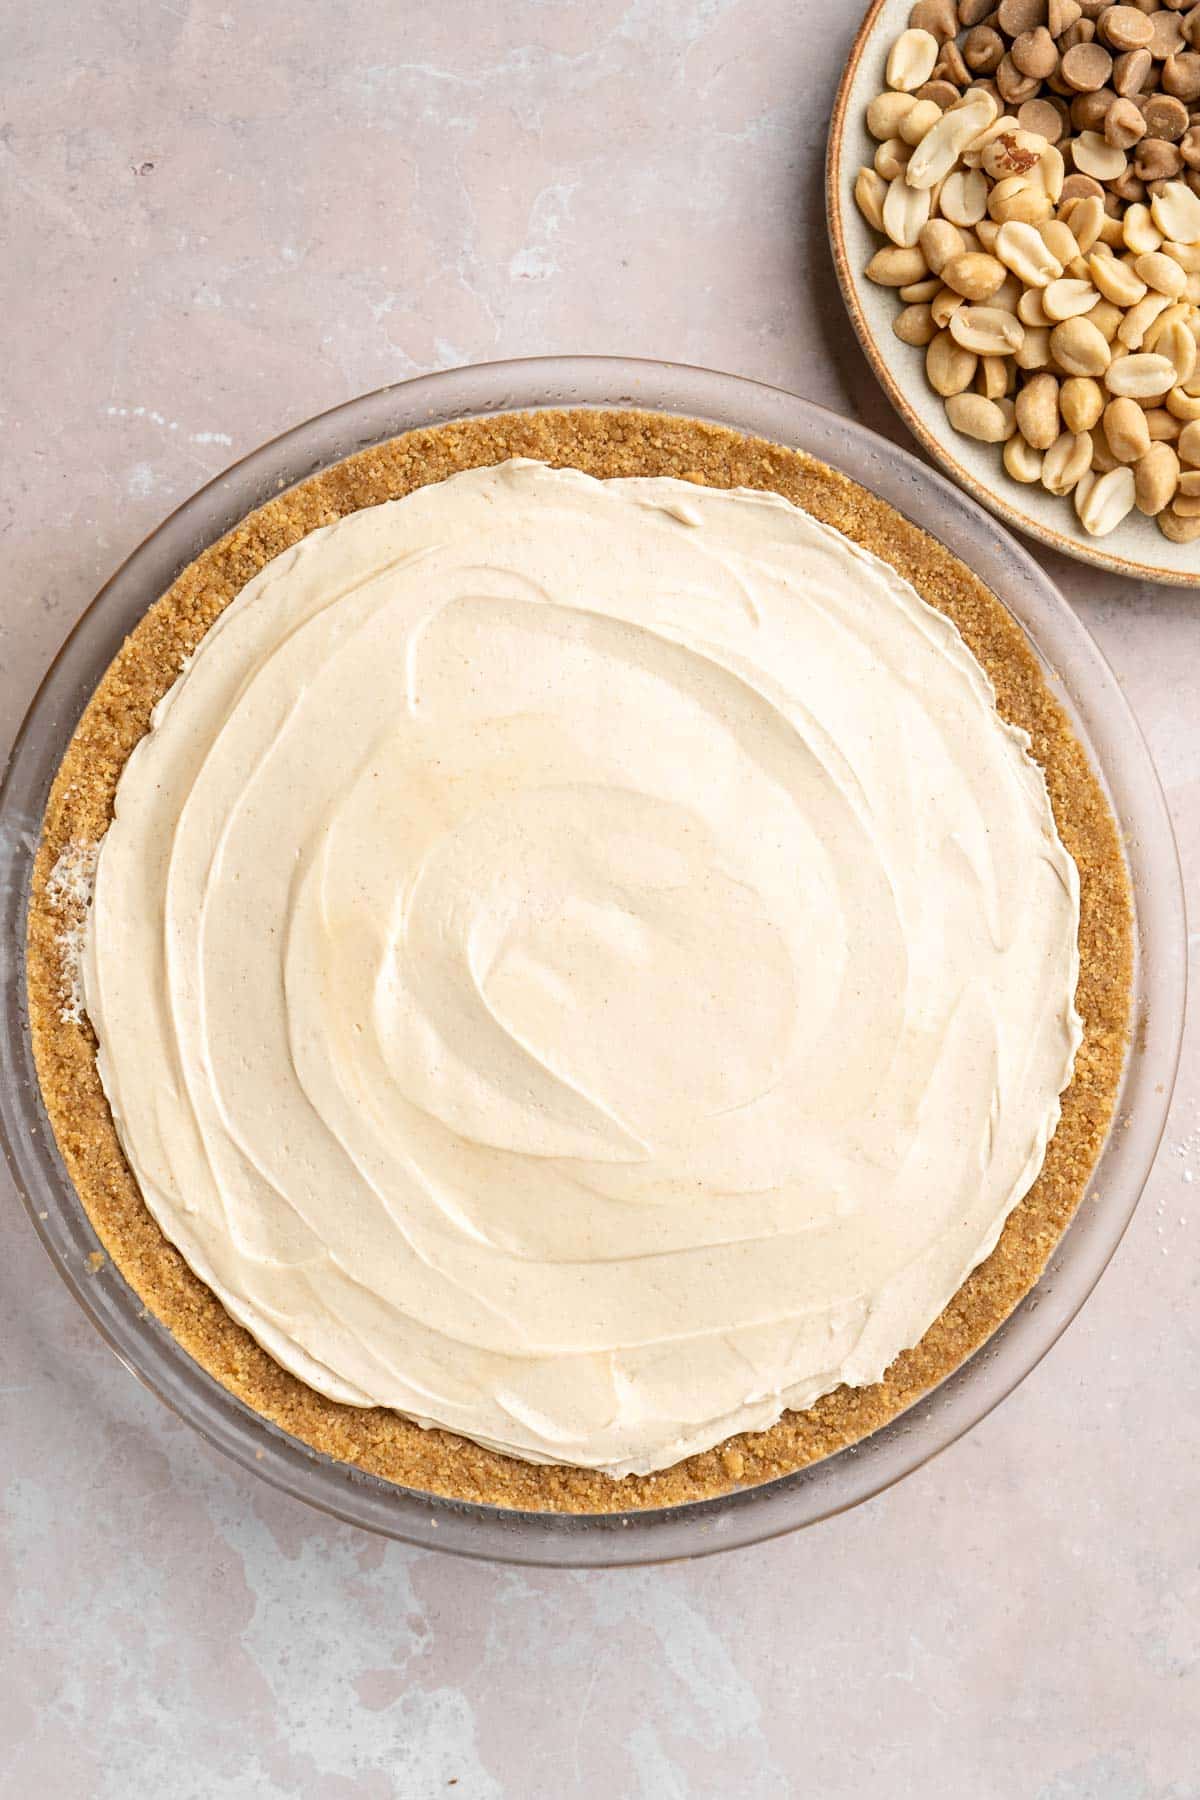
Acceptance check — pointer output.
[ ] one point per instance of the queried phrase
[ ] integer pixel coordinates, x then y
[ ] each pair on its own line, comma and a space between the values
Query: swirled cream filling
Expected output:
583, 963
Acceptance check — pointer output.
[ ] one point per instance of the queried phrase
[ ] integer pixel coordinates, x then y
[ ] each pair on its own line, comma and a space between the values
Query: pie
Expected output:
611, 973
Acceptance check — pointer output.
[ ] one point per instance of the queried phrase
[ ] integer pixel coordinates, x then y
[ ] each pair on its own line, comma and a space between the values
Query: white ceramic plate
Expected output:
1136, 548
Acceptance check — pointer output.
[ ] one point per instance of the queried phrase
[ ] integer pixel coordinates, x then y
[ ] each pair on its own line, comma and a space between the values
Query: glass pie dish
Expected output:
1076, 674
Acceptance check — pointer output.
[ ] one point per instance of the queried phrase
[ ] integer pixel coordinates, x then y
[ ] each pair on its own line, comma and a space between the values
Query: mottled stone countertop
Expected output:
221, 219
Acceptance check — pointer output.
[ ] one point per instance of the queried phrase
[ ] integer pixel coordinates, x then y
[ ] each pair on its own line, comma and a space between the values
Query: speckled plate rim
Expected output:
841, 163
1076, 673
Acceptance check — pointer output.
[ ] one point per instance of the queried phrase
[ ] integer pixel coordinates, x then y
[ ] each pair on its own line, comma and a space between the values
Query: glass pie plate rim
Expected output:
1076, 672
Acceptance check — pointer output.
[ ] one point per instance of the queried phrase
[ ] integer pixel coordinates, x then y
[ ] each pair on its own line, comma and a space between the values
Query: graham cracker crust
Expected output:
80, 806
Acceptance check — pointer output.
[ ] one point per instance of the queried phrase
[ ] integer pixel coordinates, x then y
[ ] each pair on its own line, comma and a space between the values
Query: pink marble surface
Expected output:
220, 220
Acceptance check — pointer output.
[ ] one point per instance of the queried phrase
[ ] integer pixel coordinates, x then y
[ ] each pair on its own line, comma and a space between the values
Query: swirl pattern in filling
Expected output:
583, 964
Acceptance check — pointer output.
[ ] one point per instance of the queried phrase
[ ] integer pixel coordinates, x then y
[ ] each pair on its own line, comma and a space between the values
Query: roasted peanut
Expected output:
964, 197
1012, 152
920, 293
1165, 428
915, 326
1034, 352
1162, 273
1139, 318
1139, 231
1068, 298
1106, 318
1021, 460
1178, 345
939, 241
993, 378
896, 267
1068, 457
1048, 256
1079, 348
905, 211
886, 113
1176, 212
950, 368
1019, 197
944, 305
870, 191
1180, 530
1126, 429
974, 275
1094, 156
989, 421
1037, 411
892, 158
940, 148
1030, 310
986, 330
920, 118
1022, 248
1103, 460
1155, 476
1189, 443
911, 60
1108, 500
1060, 240
1186, 255
1115, 279
1183, 405
1081, 402
1085, 220
1143, 376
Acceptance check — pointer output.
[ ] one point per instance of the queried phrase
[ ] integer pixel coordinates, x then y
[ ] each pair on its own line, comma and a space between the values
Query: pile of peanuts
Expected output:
1038, 178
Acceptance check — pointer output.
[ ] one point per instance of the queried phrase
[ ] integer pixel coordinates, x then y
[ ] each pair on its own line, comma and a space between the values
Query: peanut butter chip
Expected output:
1061, 15
983, 50
1124, 124
1166, 35
1035, 53
1086, 67
1015, 87
1080, 187
1181, 75
942, 93
1125, 28
1089, 111
1166, 117
951, 67
1016, 16
937, 17
1042, 117
1156, 160
1131, 72
1082, 32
